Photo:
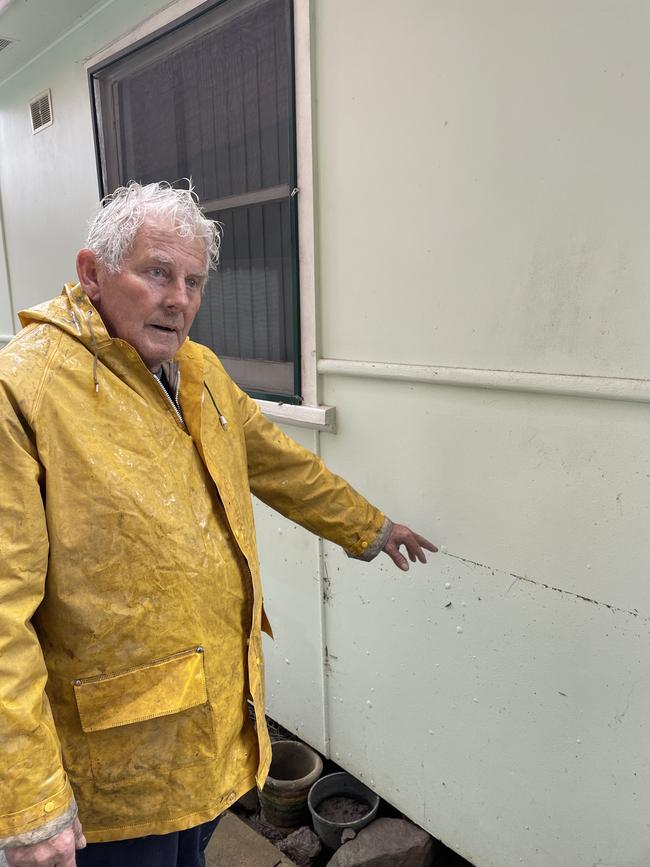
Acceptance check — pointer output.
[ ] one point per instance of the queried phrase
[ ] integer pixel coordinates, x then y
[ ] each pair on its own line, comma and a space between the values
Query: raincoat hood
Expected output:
73, 313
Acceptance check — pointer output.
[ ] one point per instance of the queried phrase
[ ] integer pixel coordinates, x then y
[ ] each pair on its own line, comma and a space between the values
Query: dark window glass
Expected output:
213, 100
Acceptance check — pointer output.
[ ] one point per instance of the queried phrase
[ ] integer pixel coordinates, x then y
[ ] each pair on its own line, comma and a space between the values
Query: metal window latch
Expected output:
294, 192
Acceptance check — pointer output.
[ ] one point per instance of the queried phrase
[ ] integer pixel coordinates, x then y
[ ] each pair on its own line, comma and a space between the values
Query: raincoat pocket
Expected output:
147, 721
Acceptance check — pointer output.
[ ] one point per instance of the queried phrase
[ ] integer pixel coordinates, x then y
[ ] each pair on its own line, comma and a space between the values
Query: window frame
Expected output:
309, 413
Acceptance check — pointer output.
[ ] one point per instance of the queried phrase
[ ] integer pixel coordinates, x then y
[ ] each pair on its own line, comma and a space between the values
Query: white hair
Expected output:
112, 232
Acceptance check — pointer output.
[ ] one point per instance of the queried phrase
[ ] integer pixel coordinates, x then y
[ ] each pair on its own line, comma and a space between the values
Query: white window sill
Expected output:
314, 417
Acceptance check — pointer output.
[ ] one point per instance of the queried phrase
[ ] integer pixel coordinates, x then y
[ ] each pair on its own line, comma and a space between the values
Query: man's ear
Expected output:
87, 272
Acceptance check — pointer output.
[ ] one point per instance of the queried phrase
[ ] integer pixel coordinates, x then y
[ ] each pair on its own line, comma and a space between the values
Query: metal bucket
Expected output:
295, 767
345, 786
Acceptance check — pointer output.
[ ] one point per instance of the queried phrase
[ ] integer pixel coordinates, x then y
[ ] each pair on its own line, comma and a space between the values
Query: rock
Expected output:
386, 843
302, 846
271, 833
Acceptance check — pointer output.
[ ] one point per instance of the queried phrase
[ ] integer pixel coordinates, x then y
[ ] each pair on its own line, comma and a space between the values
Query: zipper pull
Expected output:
223, 421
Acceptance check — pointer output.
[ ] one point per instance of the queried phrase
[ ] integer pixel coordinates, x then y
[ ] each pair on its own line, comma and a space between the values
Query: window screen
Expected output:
212, 99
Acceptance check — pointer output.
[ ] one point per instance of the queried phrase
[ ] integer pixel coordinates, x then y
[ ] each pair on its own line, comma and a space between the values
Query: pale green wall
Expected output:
484, 183
483, 203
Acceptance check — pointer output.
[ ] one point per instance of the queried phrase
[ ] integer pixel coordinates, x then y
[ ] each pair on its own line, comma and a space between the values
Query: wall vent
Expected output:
5, 43
40, 109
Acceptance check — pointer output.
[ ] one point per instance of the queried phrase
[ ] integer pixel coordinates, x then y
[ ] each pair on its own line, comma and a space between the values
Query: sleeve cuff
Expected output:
43, 832
377, 545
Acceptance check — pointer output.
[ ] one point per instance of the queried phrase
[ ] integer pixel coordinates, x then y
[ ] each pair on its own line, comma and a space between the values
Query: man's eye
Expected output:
192, 283
156, 272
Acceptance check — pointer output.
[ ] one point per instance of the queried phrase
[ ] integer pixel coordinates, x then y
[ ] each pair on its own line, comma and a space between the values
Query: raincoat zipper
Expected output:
170, 401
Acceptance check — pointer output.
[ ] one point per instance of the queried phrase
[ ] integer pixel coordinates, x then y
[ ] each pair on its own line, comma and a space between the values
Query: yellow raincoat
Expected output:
130, 595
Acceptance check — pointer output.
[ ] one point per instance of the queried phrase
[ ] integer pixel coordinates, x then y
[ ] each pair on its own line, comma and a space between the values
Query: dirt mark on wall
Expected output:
516, 578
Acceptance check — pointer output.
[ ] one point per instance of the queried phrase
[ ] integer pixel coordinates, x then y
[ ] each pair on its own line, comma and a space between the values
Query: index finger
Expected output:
425, 543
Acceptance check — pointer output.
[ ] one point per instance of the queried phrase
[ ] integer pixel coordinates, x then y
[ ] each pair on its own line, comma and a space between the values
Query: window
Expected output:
212, 98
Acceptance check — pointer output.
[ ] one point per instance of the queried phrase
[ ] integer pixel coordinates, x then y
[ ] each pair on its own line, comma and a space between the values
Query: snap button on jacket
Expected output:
130, 595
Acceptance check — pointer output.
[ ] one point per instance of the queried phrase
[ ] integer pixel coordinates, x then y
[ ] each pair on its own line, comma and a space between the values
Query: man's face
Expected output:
152, 300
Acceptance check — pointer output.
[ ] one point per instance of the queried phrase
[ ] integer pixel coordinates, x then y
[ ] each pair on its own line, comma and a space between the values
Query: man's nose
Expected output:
177, 294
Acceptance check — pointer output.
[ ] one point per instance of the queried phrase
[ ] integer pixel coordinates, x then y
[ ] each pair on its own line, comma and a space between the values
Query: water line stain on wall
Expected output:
632, 612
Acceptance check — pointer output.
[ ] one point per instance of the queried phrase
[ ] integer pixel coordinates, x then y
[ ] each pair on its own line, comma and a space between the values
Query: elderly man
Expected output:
130, 595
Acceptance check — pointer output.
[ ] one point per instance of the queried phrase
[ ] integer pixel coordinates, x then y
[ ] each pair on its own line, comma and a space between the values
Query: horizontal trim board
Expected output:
314, 417
570, 385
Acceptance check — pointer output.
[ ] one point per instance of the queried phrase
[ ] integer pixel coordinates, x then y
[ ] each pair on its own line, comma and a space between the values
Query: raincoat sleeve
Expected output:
296, 483
35, 797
